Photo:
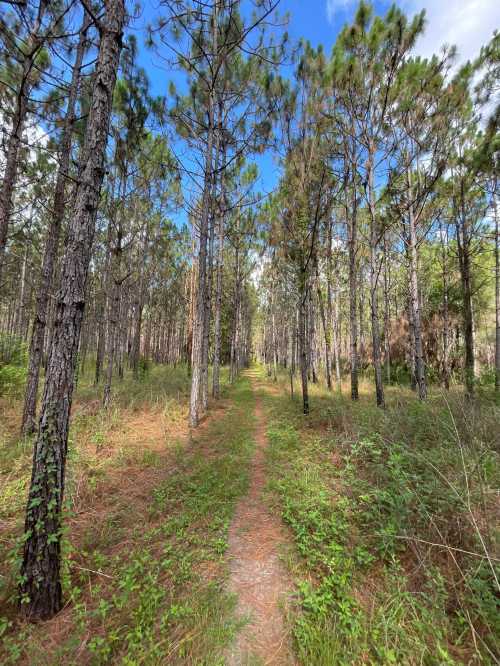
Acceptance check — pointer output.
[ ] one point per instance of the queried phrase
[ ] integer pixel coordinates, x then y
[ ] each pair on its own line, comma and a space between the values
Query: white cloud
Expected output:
333, 7
468, 24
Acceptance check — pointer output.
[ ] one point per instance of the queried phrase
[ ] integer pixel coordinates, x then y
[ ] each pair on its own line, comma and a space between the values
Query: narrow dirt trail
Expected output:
257, 575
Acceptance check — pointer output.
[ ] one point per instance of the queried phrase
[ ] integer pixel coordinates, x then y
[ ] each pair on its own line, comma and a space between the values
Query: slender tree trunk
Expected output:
497, 295
387, 318
103, 312
463, 244
207, 316
40, 587
21, 312
311, 338
377, 365
115, 283
446, 321
411, 347
201, 295
415, 305
34, 43
136, 338
333, 308
353, 285
52, 243
236, 316
303, 298
325, 333
273, 340
218, 286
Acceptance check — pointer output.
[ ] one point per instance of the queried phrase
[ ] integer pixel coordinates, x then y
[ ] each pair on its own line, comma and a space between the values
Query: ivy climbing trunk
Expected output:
52, 243
40, 586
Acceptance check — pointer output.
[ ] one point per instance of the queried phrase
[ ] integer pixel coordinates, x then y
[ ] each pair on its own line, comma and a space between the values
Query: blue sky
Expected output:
466, 23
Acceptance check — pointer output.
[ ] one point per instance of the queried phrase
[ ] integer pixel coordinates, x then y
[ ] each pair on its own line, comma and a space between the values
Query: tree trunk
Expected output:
274, 340
218, 286
387, 317
40, 587
52, 243
303, 298
464, 260
497, 296
34, 43
379, 387
115, 283
236, 317
415, 305
446, 322
201, 295
353, 282
103, 312
333, 308
325, 333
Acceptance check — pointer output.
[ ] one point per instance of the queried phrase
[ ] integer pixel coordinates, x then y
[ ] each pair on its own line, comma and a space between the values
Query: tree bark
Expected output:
497, 295
415, 303
201, 295
325, 333
40, 586
377, 365
303, 298
446, 321
387, 317
218, 288
353, 286
52, 243
464, 260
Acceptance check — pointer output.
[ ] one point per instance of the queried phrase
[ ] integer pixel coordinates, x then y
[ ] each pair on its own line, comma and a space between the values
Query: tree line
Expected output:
376, 253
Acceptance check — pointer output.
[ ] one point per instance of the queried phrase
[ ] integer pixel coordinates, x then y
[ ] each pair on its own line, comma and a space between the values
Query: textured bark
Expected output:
102, 313
411, 347
274, 340
209, 278
325, 333
52, 243
353, 286
40, 587
387, 315
138, 310
446, 321
415, 306
235, 334
303, 298
218, 290
464, 259
333, 308
199, 315
497, 296
311, 339
377, 365
115, 284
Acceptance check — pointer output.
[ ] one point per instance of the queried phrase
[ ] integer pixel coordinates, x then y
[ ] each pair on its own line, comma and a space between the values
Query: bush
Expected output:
13, 364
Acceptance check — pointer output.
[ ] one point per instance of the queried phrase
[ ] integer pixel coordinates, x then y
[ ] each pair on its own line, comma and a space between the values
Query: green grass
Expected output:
145, 568
362, 490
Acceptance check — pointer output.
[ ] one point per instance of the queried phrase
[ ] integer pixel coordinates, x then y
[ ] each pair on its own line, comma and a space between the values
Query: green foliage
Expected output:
13, 364
144, 585
366, 503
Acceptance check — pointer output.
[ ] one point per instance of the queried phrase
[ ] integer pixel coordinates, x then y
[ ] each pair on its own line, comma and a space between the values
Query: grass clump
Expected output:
148, 510
392, 514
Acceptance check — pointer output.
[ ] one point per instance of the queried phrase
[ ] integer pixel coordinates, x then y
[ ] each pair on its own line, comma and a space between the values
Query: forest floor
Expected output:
350, 536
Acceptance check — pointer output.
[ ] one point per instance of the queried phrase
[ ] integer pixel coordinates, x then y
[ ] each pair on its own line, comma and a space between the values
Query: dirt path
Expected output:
258, 576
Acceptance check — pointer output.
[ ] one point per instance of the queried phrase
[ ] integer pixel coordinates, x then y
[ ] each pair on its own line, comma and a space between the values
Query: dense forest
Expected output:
249, 336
